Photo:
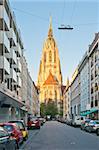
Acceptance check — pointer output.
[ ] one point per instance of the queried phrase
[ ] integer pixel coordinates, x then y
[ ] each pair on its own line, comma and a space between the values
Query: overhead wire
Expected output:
47, 19
72, 14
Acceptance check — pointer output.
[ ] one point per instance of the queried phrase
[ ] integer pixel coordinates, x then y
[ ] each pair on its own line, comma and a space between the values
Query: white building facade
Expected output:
75, 94
84, 84
11, 51
94, 76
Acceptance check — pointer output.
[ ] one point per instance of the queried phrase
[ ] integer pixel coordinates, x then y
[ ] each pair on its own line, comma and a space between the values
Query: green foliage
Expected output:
42, 109
48, 109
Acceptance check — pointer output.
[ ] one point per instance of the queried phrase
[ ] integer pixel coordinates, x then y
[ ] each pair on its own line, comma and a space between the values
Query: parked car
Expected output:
97, 131
92, 126
76, 121
84, 124
15, 132
22, 127
42, 120
69, 121
6, 141
33, 122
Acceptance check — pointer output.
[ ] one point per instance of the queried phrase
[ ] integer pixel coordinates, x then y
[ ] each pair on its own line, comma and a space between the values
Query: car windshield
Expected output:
20, 125
9, 128
34, 118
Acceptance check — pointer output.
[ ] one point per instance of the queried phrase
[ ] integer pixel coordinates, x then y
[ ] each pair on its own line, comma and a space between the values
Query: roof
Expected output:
51, 80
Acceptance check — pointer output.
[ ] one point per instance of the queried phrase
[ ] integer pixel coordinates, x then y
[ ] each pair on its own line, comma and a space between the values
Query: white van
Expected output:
76, 121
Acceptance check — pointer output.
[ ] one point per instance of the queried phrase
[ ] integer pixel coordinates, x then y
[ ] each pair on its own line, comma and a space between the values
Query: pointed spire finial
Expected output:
50, 22
50, 32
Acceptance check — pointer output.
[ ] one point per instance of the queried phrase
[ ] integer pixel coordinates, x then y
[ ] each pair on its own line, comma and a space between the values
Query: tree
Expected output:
49, 109
43, 109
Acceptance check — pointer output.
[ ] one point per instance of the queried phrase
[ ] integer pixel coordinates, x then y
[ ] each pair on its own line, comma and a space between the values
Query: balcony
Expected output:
4, 15
13, 75
4, 64
19, 50
13, 56
4, 40
19, 81
17, 66
12, 35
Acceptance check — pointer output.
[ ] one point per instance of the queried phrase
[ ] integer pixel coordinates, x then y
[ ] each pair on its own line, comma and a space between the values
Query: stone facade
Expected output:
50, 76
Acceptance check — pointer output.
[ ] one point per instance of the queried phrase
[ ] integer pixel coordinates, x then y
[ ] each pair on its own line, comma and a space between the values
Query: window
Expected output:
50, 56
45, 57
96, 87
91, 103
55, 95
54, 56
91, 90
96, 102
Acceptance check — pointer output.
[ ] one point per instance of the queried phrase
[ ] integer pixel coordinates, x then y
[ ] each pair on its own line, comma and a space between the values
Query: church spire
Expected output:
50, 31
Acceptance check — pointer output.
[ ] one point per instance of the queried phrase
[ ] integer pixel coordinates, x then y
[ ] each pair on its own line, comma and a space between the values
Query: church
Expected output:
50, 76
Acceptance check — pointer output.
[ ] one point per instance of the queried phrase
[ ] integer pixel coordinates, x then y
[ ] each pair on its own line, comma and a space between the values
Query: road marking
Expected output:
72, 143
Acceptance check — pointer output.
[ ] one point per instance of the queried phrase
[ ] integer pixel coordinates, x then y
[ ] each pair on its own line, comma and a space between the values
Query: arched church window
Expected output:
50, 56
55, 95
54, 56
50, 94
45, 57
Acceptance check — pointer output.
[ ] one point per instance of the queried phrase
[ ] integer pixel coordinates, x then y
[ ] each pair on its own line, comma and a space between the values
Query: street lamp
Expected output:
63, 27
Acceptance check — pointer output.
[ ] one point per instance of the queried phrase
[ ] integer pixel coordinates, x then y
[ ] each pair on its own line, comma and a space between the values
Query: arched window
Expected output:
45, 57
55, 95
50, 56
54, 56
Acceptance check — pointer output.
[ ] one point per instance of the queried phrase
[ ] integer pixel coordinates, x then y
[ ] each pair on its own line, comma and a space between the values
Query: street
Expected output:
57, 136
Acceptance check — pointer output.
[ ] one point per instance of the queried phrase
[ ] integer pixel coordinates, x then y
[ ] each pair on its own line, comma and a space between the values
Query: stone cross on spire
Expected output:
50, 31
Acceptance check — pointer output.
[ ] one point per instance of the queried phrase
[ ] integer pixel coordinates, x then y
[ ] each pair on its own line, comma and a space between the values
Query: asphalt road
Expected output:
57, 136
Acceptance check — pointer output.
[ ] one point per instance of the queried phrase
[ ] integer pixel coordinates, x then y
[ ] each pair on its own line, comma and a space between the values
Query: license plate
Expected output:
33, 125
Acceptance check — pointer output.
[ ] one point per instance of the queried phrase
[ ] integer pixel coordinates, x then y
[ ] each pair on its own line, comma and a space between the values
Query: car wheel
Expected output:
26, 137
16, 146
97, 132
89, 130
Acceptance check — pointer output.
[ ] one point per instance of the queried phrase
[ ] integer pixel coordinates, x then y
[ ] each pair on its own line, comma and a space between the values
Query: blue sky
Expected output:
32, 17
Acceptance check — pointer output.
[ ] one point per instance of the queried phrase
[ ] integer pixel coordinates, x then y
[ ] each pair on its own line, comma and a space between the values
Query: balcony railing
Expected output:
4, 40
19, 50
12, 35
13, 55
4, 15
4, 64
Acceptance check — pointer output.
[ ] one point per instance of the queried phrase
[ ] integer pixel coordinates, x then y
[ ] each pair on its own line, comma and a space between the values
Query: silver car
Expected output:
92, 126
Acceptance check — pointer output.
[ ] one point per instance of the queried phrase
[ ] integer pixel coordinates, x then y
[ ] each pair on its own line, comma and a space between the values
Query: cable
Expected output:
47, 19
72, 14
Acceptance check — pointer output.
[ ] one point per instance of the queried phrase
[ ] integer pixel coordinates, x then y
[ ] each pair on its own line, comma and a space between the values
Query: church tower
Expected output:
50, 76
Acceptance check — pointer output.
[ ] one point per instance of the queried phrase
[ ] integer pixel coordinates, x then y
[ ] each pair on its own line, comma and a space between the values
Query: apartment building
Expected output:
84, 84
11, 51
93, 54
36, 103
66, 101
75, 94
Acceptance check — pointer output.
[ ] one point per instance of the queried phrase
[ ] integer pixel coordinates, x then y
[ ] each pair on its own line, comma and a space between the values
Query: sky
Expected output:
32, 17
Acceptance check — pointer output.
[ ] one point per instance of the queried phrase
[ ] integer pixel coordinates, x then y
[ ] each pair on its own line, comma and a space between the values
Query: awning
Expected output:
94, 110
89, 112
85, 113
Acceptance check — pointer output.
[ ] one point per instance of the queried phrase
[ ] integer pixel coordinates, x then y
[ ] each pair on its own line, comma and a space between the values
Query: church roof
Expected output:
51, 80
